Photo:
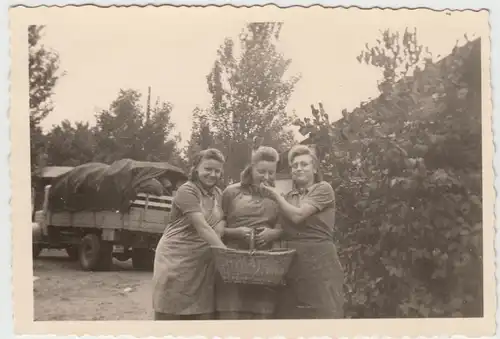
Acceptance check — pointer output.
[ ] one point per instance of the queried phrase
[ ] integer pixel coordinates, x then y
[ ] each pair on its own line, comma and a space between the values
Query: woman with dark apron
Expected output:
315, 279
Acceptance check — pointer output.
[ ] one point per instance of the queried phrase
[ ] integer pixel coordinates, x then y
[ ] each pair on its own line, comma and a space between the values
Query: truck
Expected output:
98, 212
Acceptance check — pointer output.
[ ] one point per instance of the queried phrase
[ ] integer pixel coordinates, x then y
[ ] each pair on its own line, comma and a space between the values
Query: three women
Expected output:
186, 284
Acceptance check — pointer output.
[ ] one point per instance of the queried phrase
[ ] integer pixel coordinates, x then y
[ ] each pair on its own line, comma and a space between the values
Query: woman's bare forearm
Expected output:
232, 233
211, 237
293, 213
219, 228
206, 232
277, 233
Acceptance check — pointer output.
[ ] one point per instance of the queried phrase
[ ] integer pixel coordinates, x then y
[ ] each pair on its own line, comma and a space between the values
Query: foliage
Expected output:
201, 134
249, 96
69, 145
125, 130
38, 153
406, 168
398, 55
43, 77
118, 128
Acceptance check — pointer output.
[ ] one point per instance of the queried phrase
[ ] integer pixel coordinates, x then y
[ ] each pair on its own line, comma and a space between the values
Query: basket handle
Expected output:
252, 240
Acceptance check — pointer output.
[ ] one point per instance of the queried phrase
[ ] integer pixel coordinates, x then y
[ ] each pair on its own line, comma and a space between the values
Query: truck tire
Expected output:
95, 254
143, 259
72, 252
36, 250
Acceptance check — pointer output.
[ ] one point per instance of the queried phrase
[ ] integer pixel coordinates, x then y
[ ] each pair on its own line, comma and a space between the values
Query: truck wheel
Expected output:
94, 253
36, 250
143, 259
72, 252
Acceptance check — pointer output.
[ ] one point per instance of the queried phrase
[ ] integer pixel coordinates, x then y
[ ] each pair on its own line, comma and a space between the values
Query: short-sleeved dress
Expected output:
315, 279
184, 272
244, 206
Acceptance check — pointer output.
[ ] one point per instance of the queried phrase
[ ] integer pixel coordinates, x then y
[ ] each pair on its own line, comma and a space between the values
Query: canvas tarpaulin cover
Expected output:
98, 187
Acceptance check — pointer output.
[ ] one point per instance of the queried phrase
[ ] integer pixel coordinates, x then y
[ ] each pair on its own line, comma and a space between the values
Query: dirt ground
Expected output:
62, 291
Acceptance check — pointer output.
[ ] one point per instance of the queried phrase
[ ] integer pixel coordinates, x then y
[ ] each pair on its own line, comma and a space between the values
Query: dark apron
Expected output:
315, 281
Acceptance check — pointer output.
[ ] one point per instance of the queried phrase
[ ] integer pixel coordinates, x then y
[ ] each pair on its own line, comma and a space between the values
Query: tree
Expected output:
125, 130
406, 168
43, 76
155, 133
38, 153
118, 132
201, 134
69, 145
397, 55
249, 95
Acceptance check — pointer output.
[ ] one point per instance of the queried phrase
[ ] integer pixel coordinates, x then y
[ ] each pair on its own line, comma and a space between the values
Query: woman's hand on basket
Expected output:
264, 236
245, 233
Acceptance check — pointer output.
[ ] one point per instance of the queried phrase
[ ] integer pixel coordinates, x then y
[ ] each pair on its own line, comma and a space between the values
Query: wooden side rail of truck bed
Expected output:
134, 233
147, 213
153, 202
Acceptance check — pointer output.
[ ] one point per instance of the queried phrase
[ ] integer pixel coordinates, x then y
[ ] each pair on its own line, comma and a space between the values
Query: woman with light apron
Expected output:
184, 272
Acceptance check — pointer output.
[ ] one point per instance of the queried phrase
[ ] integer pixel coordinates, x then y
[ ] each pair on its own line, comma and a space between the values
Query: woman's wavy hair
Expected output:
263, 153
298, 150
207, 154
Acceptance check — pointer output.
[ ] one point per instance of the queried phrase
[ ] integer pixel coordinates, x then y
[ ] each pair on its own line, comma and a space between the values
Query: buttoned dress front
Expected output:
315, 279
244, 206
184, 272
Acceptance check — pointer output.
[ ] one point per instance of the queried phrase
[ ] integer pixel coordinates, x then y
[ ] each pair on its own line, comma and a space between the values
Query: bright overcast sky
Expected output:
174, 57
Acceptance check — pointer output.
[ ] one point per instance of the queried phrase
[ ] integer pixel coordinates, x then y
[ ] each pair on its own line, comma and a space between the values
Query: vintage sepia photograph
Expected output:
223, 163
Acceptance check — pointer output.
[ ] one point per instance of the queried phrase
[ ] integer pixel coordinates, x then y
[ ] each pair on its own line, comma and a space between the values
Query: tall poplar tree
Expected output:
250, 91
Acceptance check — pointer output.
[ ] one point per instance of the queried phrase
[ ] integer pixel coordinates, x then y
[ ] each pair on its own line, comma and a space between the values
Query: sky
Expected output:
174, 52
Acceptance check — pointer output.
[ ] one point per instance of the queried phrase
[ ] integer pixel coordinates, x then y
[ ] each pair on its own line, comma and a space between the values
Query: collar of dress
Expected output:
207, 192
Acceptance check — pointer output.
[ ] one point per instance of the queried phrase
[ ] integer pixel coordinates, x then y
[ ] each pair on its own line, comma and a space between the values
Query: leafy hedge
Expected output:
406, 169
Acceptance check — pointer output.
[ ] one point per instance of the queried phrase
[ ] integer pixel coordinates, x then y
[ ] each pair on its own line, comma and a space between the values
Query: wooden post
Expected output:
45, 211
144, 211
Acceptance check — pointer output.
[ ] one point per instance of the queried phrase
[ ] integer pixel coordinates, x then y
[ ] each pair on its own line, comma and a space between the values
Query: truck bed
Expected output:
147, 214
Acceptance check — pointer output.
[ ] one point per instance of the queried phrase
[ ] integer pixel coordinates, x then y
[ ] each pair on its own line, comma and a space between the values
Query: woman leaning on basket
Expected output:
247, 210
183, 279
315, 278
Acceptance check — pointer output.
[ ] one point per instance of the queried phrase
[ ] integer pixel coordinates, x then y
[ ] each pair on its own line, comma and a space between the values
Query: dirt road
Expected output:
62, 291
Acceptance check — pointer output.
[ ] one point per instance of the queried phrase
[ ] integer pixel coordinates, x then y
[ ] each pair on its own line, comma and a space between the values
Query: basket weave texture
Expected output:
254, 267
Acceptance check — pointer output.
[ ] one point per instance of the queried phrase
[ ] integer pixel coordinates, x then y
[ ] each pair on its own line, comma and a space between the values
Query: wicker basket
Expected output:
254, 267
